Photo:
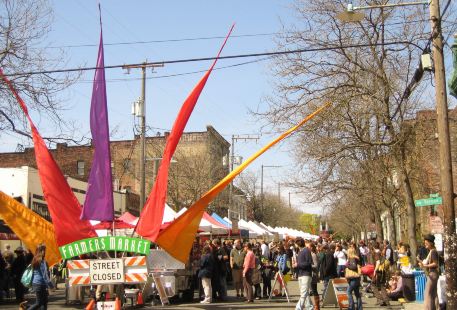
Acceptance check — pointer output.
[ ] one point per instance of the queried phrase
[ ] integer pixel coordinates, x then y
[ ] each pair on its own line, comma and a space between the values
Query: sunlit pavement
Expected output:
57, 301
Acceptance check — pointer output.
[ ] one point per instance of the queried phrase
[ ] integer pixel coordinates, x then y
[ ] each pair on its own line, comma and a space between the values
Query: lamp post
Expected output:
447, 186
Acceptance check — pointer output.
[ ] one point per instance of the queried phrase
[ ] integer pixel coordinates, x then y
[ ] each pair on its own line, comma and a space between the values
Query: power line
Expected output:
297, 51
204, 38
166, 40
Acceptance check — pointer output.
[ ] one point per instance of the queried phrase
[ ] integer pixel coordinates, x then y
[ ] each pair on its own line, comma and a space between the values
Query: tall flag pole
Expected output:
151, 217
98, 204
178, 237
63, 206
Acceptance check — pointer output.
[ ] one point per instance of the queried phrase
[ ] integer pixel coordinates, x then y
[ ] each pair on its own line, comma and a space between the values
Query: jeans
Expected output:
340, 270
222, 287
354, 286
41, 301
206, 283
304, 283
326, 281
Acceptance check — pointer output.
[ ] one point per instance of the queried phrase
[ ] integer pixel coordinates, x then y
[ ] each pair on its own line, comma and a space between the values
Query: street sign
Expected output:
434, 195
106, 271
436, 225
428, 201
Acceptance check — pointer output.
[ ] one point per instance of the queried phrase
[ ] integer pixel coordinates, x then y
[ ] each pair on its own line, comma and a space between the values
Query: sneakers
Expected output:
205, 301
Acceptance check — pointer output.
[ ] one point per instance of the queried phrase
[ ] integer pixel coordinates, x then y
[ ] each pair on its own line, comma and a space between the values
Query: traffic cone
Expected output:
91, 305
117, 304
139, 300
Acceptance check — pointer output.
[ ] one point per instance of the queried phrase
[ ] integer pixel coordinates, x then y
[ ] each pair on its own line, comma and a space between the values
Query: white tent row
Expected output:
243, 225
294, 233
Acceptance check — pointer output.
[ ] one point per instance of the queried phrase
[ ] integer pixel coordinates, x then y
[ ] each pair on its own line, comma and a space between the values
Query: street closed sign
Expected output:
106, 271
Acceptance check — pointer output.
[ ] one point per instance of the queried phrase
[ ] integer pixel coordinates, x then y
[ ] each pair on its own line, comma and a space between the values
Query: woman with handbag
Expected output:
431, 266
40, 279
352, 274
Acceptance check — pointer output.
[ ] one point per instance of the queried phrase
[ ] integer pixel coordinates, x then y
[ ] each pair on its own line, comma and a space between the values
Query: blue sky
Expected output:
229, 94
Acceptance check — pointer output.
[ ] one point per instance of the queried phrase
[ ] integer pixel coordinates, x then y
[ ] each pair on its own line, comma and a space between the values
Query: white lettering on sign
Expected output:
106, 271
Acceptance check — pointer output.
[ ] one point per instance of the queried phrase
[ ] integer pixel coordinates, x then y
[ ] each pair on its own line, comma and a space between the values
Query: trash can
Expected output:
419, 284
409, 289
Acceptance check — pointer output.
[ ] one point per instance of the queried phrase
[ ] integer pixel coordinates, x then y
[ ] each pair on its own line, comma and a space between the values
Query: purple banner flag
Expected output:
99, 197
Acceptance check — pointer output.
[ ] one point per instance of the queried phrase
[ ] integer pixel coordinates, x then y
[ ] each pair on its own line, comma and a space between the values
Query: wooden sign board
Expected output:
336, 295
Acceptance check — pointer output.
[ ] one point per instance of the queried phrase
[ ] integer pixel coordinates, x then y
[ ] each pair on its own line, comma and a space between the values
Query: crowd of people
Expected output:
251, 268
370, 268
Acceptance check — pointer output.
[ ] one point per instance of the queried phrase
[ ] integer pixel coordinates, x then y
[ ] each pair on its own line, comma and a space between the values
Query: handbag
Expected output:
27, 277
348, 273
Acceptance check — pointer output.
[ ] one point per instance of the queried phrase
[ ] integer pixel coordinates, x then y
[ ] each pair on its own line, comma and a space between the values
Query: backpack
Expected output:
27, 276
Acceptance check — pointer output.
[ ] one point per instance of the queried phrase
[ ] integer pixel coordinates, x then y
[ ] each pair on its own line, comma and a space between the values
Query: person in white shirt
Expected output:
364, 251
340, 254
265, 250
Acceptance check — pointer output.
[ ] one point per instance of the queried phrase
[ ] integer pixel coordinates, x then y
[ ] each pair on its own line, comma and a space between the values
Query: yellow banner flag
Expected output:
178, 237
31, 228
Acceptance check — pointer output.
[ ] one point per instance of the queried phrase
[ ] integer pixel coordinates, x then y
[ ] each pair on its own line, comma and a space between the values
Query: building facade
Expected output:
197, 165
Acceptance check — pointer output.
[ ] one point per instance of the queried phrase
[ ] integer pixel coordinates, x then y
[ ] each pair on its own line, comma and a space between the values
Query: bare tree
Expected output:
24, 26
369, 116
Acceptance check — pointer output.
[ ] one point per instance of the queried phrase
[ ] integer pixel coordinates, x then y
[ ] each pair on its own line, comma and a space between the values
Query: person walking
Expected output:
40, 279
315, 275
327, 267
304, 271
206, 273
340, 254
248, 268
431, 266
236, 263
352, 275
220, 274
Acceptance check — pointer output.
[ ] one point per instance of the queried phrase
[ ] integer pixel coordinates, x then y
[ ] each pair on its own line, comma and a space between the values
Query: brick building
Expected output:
197, 165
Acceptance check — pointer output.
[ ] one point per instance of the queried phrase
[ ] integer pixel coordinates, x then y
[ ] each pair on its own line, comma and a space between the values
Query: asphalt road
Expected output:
57, 301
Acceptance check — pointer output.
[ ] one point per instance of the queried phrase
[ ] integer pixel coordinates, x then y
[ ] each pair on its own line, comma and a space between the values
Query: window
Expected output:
127, 164
80, 164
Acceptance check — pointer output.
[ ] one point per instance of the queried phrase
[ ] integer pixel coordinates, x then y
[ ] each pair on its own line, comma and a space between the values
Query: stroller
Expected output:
377, 282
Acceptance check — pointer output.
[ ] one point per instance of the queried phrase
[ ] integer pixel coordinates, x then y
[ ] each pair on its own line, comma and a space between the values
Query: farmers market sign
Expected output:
108, 243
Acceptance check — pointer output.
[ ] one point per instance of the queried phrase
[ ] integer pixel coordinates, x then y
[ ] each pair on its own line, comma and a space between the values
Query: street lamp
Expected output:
351, 14
447, 185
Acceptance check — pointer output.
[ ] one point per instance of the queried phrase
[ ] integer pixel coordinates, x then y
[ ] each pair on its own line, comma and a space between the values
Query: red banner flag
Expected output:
152, 215
63, 206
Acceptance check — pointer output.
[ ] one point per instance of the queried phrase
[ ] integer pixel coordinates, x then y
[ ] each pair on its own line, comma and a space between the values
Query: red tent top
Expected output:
211, 219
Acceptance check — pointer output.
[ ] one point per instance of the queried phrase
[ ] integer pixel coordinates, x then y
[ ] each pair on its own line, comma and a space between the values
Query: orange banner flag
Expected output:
178, 237
31, 228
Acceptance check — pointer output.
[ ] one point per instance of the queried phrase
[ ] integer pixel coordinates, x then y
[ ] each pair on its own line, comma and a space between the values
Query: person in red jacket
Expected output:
248, 269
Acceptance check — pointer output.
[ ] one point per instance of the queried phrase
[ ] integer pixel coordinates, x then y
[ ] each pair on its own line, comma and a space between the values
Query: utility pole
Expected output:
232, 159
447, 186
142, 116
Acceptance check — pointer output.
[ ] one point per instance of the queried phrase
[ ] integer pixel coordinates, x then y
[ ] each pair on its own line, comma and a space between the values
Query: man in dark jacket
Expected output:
206, 273
219, 279
304, 272
17, 269
327, 266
